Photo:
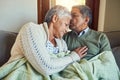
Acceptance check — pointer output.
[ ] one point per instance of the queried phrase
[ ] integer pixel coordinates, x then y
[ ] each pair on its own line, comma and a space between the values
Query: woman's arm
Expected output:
33, 42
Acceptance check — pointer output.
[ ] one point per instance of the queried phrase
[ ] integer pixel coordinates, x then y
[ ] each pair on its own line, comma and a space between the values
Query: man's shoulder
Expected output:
96, 32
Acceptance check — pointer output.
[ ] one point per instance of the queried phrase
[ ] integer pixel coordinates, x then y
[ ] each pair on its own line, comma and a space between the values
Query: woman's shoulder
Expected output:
31, 25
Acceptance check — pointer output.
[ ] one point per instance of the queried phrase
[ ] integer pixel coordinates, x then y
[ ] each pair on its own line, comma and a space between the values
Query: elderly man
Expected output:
82, 35
99, 61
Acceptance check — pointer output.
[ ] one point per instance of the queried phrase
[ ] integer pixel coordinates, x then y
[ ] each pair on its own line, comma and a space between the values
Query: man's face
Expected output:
61, 26
77, 22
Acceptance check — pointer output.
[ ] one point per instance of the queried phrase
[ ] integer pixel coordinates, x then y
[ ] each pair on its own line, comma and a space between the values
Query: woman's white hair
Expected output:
58, 10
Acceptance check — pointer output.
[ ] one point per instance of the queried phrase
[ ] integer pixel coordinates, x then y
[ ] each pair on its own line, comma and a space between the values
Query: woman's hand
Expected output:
81, 51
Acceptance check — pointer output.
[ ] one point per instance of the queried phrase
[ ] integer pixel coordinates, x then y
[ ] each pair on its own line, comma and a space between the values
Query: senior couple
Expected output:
40, 53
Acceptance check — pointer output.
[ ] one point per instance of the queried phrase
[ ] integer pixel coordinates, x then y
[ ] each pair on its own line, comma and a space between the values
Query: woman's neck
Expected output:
51, 35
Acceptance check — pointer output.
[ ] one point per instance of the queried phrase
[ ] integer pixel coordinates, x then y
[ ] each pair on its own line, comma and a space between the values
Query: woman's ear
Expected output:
54, 18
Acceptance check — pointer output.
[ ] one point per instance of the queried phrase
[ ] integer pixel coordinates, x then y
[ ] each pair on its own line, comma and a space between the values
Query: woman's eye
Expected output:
66, 24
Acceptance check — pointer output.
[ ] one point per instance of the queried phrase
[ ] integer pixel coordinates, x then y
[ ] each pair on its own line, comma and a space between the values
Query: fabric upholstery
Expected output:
114, 39
116, 52
6, 41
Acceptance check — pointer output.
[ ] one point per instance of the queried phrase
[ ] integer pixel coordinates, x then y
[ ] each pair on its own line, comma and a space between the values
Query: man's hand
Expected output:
81, 51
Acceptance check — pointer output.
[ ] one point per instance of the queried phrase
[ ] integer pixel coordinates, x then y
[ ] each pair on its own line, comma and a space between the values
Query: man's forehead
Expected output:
75, 10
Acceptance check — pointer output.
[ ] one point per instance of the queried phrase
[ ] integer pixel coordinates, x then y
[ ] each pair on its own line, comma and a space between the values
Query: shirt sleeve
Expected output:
105, 44
33, 43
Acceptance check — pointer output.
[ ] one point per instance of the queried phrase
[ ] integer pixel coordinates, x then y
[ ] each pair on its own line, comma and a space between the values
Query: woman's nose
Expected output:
66, 29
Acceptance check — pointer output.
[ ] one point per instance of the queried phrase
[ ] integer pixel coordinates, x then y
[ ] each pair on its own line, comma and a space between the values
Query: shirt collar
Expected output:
83, 32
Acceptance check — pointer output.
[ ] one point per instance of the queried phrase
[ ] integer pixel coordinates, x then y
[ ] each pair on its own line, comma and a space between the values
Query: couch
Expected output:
7, 39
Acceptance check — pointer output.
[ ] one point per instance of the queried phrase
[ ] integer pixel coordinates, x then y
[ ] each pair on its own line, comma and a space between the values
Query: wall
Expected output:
109, 15
15, 13
112, 15
101, 15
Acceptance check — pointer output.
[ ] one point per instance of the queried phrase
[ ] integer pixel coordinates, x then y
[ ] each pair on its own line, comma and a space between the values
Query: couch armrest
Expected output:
7, 39
114, 38
116, 54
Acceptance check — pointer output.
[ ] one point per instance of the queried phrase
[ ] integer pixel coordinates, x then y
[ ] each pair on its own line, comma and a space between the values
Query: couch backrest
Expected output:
114, 39
6, 41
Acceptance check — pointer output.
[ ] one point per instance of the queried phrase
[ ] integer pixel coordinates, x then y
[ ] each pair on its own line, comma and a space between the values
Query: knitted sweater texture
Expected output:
96, 42
31, 44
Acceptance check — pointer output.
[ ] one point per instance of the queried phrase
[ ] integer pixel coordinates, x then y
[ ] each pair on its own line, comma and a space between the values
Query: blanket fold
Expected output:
100, 67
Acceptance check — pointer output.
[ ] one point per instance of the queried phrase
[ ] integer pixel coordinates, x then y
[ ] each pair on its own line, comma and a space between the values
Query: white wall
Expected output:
15, 13
101, 15
109, 15
112, 15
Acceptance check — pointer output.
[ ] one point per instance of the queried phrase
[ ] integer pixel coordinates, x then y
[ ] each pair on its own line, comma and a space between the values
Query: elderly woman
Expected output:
40, 50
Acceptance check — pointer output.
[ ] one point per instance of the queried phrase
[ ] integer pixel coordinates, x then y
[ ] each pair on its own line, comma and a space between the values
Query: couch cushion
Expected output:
114, 38
116, 52
6, 41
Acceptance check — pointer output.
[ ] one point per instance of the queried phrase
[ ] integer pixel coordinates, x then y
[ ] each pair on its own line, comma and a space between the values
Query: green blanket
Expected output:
101, 67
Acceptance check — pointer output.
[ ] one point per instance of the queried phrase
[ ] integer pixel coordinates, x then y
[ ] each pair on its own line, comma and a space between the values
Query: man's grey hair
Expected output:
85, 11
58, 10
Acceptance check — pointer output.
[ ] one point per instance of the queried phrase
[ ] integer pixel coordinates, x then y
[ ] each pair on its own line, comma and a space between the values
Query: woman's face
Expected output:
61, 26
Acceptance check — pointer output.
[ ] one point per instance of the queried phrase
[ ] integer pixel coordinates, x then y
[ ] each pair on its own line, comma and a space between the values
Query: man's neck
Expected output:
79, 33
